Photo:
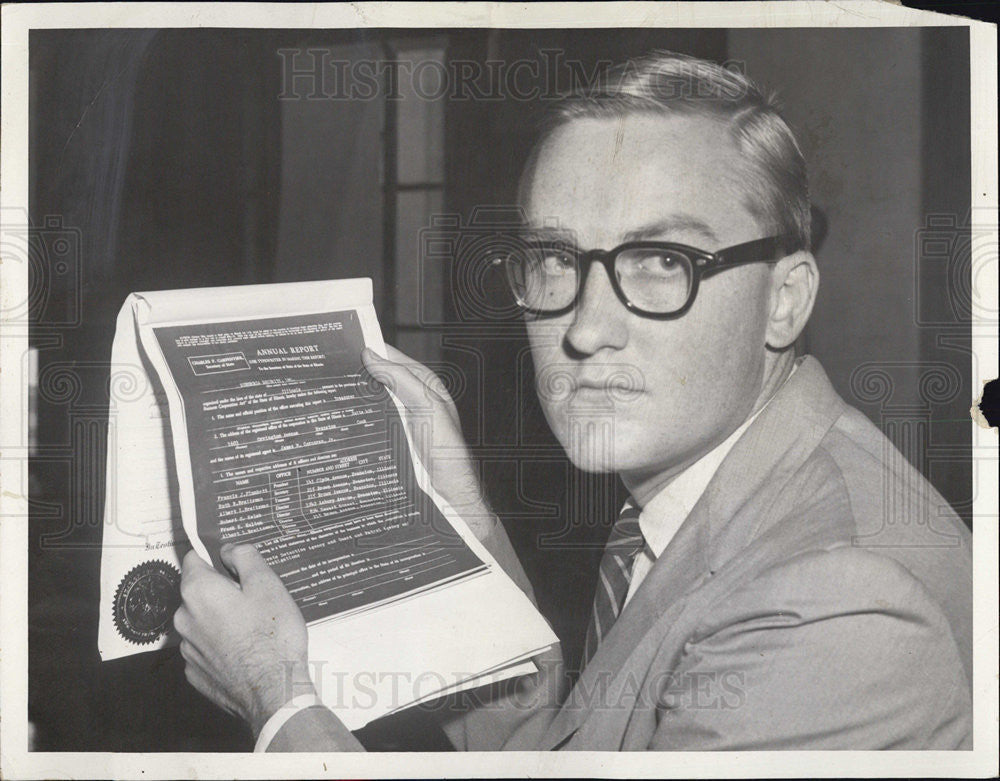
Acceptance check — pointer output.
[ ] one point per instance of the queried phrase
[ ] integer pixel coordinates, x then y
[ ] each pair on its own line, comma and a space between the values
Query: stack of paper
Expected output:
245, 415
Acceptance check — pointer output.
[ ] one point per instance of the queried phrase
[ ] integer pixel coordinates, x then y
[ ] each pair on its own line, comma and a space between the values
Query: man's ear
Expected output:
794, 282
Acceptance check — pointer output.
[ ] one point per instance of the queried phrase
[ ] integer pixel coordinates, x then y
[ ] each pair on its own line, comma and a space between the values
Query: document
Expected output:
261, 426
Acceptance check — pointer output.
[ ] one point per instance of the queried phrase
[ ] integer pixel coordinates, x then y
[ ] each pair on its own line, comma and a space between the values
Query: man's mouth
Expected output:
617, 388
566, 384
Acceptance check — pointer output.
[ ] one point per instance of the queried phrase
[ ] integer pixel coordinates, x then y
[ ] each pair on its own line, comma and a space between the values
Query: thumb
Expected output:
246, 564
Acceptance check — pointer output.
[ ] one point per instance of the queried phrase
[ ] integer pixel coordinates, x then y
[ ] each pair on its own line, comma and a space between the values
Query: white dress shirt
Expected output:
664, 513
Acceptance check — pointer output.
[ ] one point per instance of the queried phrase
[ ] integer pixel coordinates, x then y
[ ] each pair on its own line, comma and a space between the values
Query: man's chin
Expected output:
592, 466
600, 456
603, 443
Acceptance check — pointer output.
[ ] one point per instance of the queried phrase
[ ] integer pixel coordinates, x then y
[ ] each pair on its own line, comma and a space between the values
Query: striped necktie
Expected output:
614, 576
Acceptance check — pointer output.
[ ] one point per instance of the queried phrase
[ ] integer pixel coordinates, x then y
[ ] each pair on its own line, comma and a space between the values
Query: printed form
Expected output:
253, 420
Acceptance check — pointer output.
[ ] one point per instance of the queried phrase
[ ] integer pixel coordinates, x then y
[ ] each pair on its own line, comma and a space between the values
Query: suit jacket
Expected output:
818, 596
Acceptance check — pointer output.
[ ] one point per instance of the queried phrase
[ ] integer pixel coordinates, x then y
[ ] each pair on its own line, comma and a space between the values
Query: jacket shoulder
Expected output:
835, 648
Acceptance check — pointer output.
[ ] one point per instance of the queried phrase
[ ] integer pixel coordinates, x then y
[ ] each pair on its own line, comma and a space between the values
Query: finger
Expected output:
194, 565
411, 391
428, 376
380, 363
397, 355
198, 579
232, 573
391, 354
248, 565
183, 621
190, 631
428, 393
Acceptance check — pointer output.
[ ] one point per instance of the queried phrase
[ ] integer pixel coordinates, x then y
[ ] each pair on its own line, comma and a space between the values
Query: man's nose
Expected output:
599, 319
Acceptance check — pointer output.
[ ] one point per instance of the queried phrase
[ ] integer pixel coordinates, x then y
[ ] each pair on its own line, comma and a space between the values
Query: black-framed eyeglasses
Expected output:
655, 279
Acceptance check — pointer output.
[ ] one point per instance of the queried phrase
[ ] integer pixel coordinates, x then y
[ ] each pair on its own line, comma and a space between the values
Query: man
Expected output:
767, 585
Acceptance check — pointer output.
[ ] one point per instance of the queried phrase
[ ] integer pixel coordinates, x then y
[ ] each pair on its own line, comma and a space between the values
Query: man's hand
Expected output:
436, 432
245, 643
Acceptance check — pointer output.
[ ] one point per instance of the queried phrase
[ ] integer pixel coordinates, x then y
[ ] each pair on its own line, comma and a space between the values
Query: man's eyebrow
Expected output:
674, 223
549, 233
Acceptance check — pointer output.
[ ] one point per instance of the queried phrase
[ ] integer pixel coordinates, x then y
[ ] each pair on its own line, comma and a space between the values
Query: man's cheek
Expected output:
556, 417
562, 423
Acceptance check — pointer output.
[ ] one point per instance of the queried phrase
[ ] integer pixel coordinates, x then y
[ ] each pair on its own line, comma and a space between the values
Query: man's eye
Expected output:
660, 263
558, 262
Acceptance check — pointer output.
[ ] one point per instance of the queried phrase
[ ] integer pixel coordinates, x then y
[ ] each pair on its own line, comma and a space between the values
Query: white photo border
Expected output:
17, 762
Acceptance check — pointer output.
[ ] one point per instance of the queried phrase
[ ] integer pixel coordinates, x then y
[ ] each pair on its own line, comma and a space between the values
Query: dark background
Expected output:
181, 158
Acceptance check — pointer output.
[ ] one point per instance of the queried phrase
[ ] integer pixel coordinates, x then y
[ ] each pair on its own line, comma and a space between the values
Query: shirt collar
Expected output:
663, 515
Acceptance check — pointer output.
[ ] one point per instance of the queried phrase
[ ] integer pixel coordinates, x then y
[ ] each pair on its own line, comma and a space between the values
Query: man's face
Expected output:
625, 393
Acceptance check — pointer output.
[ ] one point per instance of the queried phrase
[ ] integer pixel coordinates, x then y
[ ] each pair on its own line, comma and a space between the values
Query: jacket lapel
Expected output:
721, 524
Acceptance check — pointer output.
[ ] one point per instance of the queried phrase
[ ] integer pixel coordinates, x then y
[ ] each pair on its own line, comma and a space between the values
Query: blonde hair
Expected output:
776, 185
